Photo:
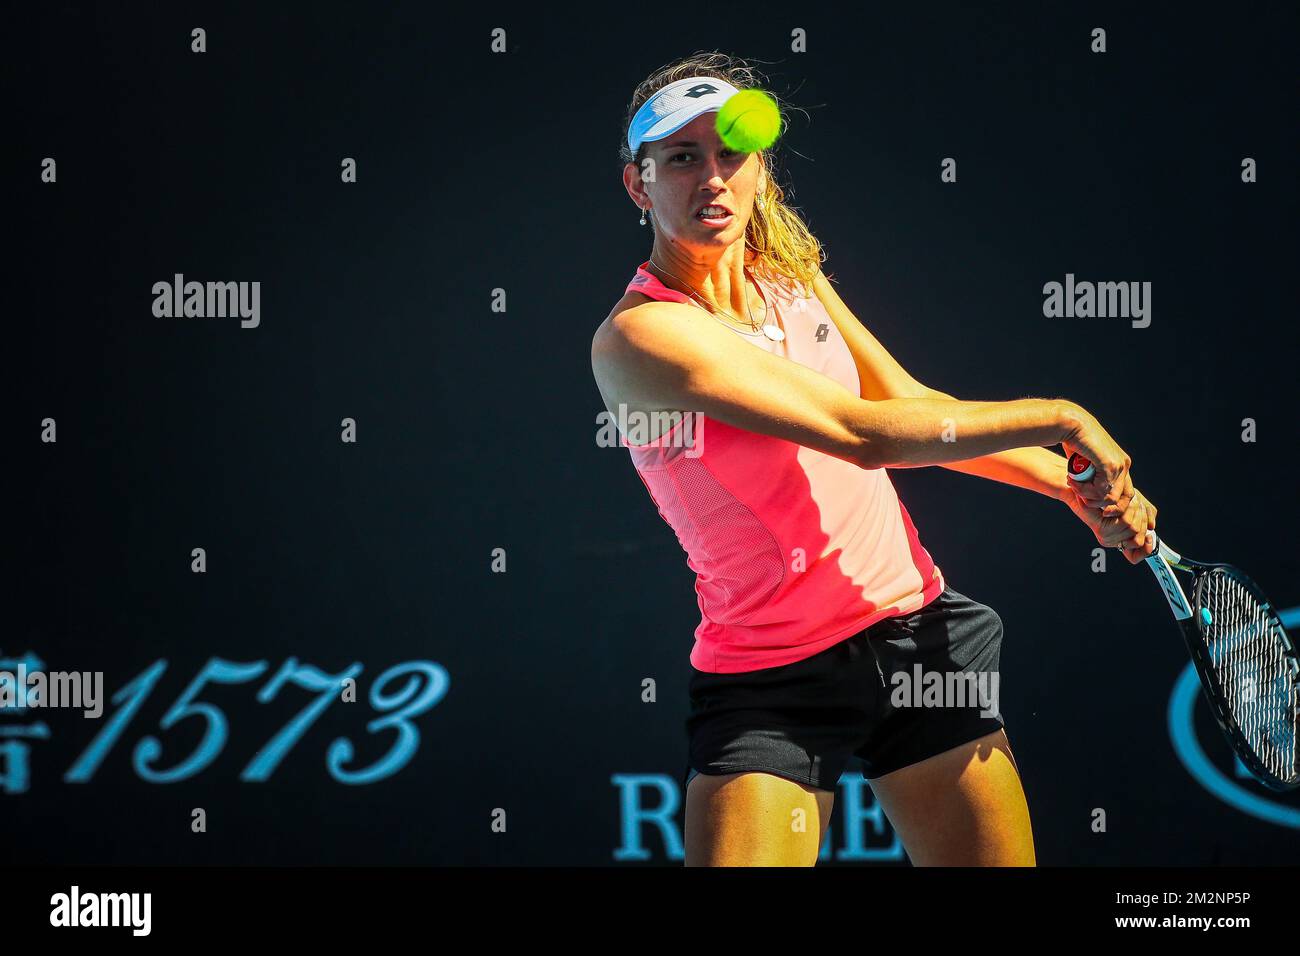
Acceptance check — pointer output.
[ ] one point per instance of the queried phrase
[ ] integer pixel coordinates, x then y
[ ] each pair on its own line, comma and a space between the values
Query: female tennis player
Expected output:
764, 417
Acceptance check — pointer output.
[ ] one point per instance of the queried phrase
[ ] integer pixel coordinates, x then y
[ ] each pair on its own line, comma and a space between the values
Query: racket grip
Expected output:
1079, 468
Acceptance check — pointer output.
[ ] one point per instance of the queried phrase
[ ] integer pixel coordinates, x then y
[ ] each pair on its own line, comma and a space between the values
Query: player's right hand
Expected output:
1110, 488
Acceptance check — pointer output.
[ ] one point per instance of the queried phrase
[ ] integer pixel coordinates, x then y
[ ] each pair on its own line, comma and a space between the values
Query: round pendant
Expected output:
774, 332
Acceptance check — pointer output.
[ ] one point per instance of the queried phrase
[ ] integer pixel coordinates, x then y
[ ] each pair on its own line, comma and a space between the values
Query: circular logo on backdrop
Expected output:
1234, 785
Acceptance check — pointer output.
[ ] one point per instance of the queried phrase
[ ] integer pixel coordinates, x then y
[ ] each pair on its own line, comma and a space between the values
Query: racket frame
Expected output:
1162, 561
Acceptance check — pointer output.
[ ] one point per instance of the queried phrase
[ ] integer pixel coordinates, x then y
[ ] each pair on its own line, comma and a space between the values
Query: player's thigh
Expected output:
963, 807
754, 819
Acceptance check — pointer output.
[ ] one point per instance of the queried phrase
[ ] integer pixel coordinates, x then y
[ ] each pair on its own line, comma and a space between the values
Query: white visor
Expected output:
676, 105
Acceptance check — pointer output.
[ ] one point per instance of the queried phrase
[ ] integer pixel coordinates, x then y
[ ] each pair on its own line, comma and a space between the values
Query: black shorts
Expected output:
874, 696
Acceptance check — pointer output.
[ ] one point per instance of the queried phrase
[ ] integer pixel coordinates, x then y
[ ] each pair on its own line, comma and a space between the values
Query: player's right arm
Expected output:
666, 357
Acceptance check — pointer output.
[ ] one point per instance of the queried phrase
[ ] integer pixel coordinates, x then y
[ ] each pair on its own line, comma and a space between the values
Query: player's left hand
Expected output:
1122, 525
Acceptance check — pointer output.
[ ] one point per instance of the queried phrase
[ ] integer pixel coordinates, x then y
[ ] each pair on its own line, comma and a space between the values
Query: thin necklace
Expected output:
770, 329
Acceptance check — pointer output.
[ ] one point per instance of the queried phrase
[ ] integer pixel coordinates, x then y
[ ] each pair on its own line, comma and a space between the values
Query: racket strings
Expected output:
1250, 654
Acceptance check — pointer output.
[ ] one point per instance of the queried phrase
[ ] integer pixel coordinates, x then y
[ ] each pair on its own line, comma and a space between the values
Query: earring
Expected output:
760, 202
643, 211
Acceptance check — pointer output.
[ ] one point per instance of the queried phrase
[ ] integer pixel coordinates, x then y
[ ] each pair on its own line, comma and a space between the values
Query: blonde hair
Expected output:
777, 239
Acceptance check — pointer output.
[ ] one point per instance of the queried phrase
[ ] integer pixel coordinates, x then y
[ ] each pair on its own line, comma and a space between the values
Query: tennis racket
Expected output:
1245, 658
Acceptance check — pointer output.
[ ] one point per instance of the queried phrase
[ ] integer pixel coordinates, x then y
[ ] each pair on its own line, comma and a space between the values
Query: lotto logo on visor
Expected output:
674, 106
700, 89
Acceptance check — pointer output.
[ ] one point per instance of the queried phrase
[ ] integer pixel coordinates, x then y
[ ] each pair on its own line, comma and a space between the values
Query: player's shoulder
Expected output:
639, 341
635, 322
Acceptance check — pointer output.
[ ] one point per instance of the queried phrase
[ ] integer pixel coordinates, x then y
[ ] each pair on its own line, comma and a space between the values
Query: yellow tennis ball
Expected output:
749, 121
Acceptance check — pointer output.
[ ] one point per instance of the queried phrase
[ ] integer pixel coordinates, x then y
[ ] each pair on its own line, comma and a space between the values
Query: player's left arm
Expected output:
1035, 469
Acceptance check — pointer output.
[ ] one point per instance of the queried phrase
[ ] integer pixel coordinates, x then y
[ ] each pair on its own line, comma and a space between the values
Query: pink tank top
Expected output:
793, 550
